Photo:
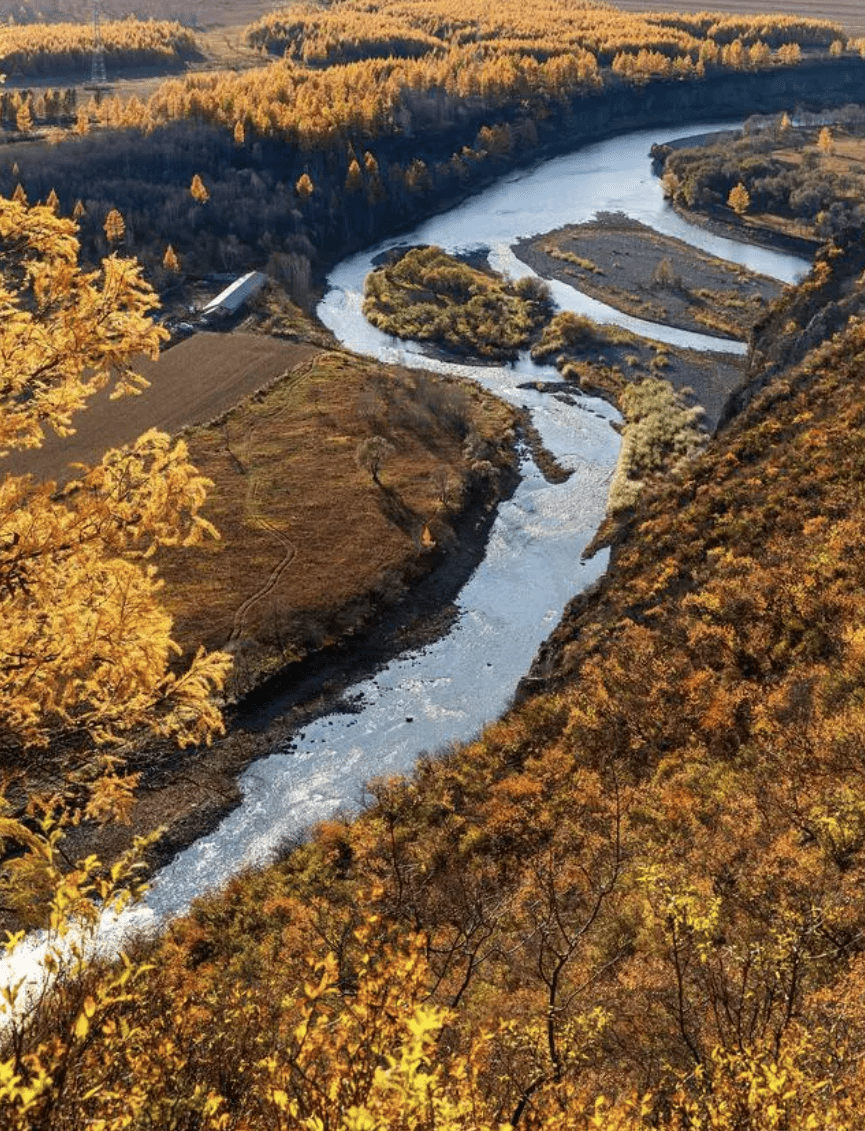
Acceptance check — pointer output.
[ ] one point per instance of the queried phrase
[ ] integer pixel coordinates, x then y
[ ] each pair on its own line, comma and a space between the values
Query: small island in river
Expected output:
652, 276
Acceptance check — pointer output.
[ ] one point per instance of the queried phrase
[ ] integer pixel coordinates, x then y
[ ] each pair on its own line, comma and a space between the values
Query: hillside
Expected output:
644, 881
634, 902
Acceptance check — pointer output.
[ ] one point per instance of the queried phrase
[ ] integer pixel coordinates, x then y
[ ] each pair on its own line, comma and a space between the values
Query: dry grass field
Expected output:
849, 13
310, 546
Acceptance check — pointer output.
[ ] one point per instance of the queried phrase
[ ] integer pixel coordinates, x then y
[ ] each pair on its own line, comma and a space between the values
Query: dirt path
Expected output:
269, 585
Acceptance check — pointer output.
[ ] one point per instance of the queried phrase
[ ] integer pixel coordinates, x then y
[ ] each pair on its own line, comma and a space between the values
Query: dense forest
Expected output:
35, 49
636, 900
306, 158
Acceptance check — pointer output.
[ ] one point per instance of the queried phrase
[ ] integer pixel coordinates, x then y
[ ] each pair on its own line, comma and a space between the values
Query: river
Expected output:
448, 691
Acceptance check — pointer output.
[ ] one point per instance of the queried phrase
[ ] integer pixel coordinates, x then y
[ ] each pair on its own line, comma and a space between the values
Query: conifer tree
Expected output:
198, 191
23, 118
739, 199
305, 187
115, 226
170, 260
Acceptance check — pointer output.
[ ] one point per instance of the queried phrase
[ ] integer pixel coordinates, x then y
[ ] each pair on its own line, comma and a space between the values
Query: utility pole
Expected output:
99, 83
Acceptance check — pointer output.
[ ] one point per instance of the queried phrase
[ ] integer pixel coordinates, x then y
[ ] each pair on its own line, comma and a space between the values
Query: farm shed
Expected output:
230, 300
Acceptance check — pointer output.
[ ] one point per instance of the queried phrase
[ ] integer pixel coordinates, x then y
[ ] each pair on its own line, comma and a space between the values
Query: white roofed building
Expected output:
230, 300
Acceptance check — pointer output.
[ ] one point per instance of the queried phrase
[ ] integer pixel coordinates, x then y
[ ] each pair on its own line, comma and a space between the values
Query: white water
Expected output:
451, 689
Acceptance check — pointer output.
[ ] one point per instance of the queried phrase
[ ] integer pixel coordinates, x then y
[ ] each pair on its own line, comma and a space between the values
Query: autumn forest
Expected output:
635, 900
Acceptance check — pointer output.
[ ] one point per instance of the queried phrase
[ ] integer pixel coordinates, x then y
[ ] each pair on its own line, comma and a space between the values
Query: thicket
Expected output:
783, 170
661, 432
634, 902
430, 296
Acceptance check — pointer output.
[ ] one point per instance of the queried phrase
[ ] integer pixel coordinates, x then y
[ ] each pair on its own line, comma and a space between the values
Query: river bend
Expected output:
448, 691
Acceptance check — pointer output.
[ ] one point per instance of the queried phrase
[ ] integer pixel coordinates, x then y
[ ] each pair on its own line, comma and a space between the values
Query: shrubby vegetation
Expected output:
432, 297
567, 330
779, 169
660, 432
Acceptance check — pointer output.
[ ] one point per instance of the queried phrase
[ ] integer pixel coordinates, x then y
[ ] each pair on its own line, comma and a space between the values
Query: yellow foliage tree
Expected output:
170, 260
23, 117
198, 190
305, 187
825, 141
115, 226
353, 178
53, 201
85, 646
239, 133
739, 199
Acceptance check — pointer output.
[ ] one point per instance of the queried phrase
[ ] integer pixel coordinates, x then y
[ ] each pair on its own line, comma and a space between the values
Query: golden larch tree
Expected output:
85, 646
305, 188
52, 201
239, 133
353, 178
24, 118
739, 199
170, 260
198, 190
825, 142
115, 226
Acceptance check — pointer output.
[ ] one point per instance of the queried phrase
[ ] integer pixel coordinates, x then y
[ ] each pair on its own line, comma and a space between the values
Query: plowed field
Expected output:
190, 384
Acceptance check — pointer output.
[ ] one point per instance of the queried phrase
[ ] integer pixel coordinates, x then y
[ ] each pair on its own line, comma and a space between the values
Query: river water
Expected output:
448, 691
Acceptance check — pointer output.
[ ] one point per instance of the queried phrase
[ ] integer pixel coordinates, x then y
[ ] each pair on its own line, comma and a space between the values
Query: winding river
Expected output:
448, 691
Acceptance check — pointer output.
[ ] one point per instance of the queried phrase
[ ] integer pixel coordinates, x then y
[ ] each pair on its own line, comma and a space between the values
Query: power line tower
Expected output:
99, 83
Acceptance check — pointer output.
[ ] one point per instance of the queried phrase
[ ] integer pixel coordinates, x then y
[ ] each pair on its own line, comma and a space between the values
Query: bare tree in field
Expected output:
371, 455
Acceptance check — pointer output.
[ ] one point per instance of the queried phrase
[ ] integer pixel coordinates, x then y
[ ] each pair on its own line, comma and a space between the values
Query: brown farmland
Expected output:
849, 13
192, 383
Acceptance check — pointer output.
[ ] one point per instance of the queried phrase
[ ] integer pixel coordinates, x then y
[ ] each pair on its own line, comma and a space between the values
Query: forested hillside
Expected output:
644, 883
636, 901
